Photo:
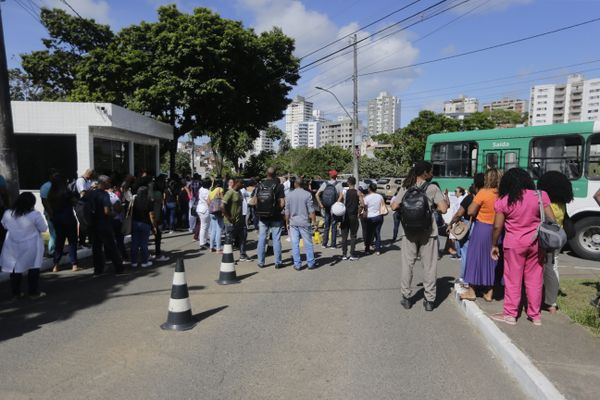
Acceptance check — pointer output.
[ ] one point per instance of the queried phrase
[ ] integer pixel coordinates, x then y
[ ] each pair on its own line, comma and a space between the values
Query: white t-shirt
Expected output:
245, 196
202, 207
372, 204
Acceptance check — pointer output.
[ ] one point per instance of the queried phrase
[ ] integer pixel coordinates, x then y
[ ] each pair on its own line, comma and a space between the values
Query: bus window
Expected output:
593, 167
562, 153
510, 160
457, 159
491, 160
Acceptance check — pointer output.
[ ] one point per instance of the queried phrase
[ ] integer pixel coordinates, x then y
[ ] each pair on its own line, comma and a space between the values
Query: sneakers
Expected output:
344, 258
428, 305
147, 264
162, 258
37, 296
500, 317
377, 253
353, 258
278, 266
245, 258
406, 303
314, 266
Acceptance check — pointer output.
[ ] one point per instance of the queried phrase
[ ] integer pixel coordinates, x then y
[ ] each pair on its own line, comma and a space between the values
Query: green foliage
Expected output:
21, 86
305, 161
574, 301
478, 121
274, 133
257, 164
182, 164
376, 168
506, 117
70, 40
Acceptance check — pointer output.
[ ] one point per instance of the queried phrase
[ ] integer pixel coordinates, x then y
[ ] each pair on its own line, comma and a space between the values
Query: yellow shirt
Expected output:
559, 211
216, 192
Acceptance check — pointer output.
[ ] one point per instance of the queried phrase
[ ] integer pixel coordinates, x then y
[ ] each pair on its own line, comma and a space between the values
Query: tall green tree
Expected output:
199, 72
70, 39
21, 86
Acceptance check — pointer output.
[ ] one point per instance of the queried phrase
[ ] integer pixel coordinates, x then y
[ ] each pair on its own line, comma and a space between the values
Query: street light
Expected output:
354, 130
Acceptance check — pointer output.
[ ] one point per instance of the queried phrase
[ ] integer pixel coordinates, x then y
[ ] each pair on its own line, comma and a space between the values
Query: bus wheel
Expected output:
586, 243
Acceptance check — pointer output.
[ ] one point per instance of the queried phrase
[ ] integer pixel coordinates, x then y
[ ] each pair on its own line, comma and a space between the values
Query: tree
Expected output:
70, 39
182, 164
22, 87
257, 164
506, 117
477, 121
199, 72
376, 168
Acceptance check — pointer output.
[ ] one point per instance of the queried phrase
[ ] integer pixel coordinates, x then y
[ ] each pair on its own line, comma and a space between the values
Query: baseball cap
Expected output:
333, 173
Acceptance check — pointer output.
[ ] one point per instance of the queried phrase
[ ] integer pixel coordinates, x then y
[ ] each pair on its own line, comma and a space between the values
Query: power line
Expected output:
373, 34
504, 44
29, 11
72, 9
359, 29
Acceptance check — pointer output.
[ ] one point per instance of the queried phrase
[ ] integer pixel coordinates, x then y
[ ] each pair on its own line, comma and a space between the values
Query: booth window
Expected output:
144, 158
593, 167
36, 154
558, 153
111, 157
454, 159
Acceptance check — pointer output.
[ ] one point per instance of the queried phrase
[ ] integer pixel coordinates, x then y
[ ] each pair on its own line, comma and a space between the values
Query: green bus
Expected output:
572, 148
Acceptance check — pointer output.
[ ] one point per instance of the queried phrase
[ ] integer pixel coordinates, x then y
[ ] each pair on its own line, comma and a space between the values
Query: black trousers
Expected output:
349, 226
157, 240
104, 243
33, 279
117, 225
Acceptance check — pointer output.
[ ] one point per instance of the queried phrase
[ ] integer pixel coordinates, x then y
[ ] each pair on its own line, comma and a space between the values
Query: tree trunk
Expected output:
172, 152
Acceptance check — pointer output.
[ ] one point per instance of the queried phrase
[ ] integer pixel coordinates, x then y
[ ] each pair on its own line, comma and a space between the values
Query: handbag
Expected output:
460, 229
128, 221
383, 210
252, 201
550, 235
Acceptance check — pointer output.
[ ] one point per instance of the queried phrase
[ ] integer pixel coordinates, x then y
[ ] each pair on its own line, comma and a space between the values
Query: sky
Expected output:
504, 72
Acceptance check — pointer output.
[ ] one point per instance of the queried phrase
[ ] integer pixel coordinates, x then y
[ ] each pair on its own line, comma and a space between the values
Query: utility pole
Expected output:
355, 129
8, 157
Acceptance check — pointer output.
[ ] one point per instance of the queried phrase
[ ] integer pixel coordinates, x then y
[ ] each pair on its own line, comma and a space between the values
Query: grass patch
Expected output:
574, 301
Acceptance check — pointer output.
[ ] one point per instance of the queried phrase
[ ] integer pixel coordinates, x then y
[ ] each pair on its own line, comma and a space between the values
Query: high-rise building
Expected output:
383, 114
338, 133
461, 107
262, 143
577, 100
305, 134
299, 110
516, 105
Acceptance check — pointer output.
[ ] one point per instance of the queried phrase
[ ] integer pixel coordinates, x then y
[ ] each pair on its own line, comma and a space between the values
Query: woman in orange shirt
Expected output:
480, 270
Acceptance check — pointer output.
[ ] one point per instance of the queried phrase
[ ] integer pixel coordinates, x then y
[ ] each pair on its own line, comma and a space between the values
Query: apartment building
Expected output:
305, 134
262, 143
461, 107
299, 110
383, 114
577, 100
516, 105
338, 133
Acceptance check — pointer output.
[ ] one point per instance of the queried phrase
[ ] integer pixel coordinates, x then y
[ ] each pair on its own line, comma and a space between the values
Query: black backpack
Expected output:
329, 196
415, 212
266, 203
85, 210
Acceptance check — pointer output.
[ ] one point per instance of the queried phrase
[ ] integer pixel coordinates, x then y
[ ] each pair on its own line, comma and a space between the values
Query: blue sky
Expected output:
313, 23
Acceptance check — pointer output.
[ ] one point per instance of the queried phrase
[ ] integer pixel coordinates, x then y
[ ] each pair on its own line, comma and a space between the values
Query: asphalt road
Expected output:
337, 332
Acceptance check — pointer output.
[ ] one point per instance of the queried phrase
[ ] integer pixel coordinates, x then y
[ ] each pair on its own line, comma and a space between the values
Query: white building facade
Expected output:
577, 100
306, 134
461, 107
383, 114
299, 110
338, 133
516, 105
73, 137
262, 143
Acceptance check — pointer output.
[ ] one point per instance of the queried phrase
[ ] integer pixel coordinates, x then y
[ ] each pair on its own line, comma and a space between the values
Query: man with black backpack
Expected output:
415, 202
327, 195
269, 205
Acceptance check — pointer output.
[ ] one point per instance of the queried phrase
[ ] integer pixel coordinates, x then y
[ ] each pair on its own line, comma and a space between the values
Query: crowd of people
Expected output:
492, 226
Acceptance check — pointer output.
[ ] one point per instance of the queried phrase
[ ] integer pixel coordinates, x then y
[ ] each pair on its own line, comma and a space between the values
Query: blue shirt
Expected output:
45, 189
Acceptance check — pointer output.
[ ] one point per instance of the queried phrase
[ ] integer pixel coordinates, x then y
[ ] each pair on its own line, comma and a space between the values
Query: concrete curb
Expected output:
532, 381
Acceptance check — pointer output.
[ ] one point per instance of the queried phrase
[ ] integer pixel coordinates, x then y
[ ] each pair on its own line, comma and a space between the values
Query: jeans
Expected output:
330, 221
216, 226
349, 225
275, 226
33, 279
66, 228
374, 232
234, 233
396, 225
171, 214
103, 242
140, 236
306, 233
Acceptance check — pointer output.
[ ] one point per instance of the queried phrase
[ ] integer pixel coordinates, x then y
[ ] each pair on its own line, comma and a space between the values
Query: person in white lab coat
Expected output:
23, 249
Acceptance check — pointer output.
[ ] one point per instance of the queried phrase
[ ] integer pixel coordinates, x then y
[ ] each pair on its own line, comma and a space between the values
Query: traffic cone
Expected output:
227, 274
180, 309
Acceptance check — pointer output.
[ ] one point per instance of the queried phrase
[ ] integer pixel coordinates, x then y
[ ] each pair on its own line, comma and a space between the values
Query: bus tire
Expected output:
586, 243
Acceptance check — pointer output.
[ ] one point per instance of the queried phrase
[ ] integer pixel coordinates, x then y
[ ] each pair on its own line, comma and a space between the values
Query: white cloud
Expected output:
96, 9
311, 30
